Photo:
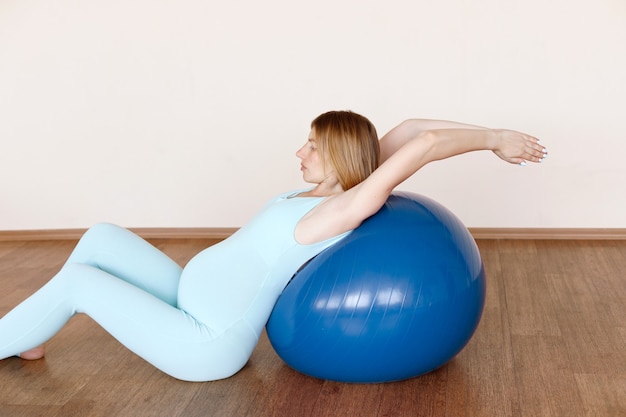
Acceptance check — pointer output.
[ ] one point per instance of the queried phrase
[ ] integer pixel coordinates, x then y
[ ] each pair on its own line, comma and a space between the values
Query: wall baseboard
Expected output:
548, 233
224, 232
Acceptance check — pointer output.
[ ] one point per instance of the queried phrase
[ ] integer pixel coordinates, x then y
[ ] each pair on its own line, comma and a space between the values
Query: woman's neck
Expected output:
324, 189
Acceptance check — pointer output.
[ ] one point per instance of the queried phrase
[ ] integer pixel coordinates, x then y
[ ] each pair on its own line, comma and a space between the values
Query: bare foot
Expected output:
33, 354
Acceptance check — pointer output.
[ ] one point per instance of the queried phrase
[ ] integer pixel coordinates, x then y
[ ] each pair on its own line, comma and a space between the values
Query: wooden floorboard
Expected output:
551, 342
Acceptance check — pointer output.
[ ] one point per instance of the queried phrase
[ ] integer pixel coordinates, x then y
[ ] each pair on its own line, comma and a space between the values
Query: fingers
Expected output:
540, 151
534, 151
520, 148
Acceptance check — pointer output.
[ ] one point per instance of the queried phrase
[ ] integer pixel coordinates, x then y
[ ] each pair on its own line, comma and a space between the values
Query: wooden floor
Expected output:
552, 342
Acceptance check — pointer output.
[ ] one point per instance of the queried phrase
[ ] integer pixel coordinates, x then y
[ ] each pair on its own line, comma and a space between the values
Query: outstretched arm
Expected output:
409, 129
413, 152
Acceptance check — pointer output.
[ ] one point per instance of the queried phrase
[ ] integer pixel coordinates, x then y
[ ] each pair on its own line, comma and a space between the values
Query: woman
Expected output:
202, 322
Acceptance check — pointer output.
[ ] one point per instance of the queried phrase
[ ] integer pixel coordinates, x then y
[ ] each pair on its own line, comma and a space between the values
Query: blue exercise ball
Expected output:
397, 298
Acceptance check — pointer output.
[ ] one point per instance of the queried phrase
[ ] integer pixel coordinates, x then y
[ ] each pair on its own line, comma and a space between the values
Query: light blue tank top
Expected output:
242, 276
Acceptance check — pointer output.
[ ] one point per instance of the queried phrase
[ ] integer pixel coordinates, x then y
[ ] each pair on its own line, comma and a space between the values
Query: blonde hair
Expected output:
350, 143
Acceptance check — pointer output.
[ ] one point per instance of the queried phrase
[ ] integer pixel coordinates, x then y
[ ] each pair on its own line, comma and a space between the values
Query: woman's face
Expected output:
312, 164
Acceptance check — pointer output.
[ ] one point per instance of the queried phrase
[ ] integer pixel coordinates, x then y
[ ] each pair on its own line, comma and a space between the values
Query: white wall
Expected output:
187, 113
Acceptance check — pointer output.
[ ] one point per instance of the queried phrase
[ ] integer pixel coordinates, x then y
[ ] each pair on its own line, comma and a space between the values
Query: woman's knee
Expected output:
97, 237
102, 230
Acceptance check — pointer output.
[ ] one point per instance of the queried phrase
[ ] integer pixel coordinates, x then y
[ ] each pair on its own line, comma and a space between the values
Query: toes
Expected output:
33, 354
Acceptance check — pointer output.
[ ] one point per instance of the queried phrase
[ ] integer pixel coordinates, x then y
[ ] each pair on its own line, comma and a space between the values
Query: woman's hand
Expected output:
518, 148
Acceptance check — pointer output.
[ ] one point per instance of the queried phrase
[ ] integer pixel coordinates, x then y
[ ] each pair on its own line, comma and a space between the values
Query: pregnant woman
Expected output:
202, 322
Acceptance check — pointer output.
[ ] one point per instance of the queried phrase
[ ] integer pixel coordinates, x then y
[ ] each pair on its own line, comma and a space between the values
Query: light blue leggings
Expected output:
130, 288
